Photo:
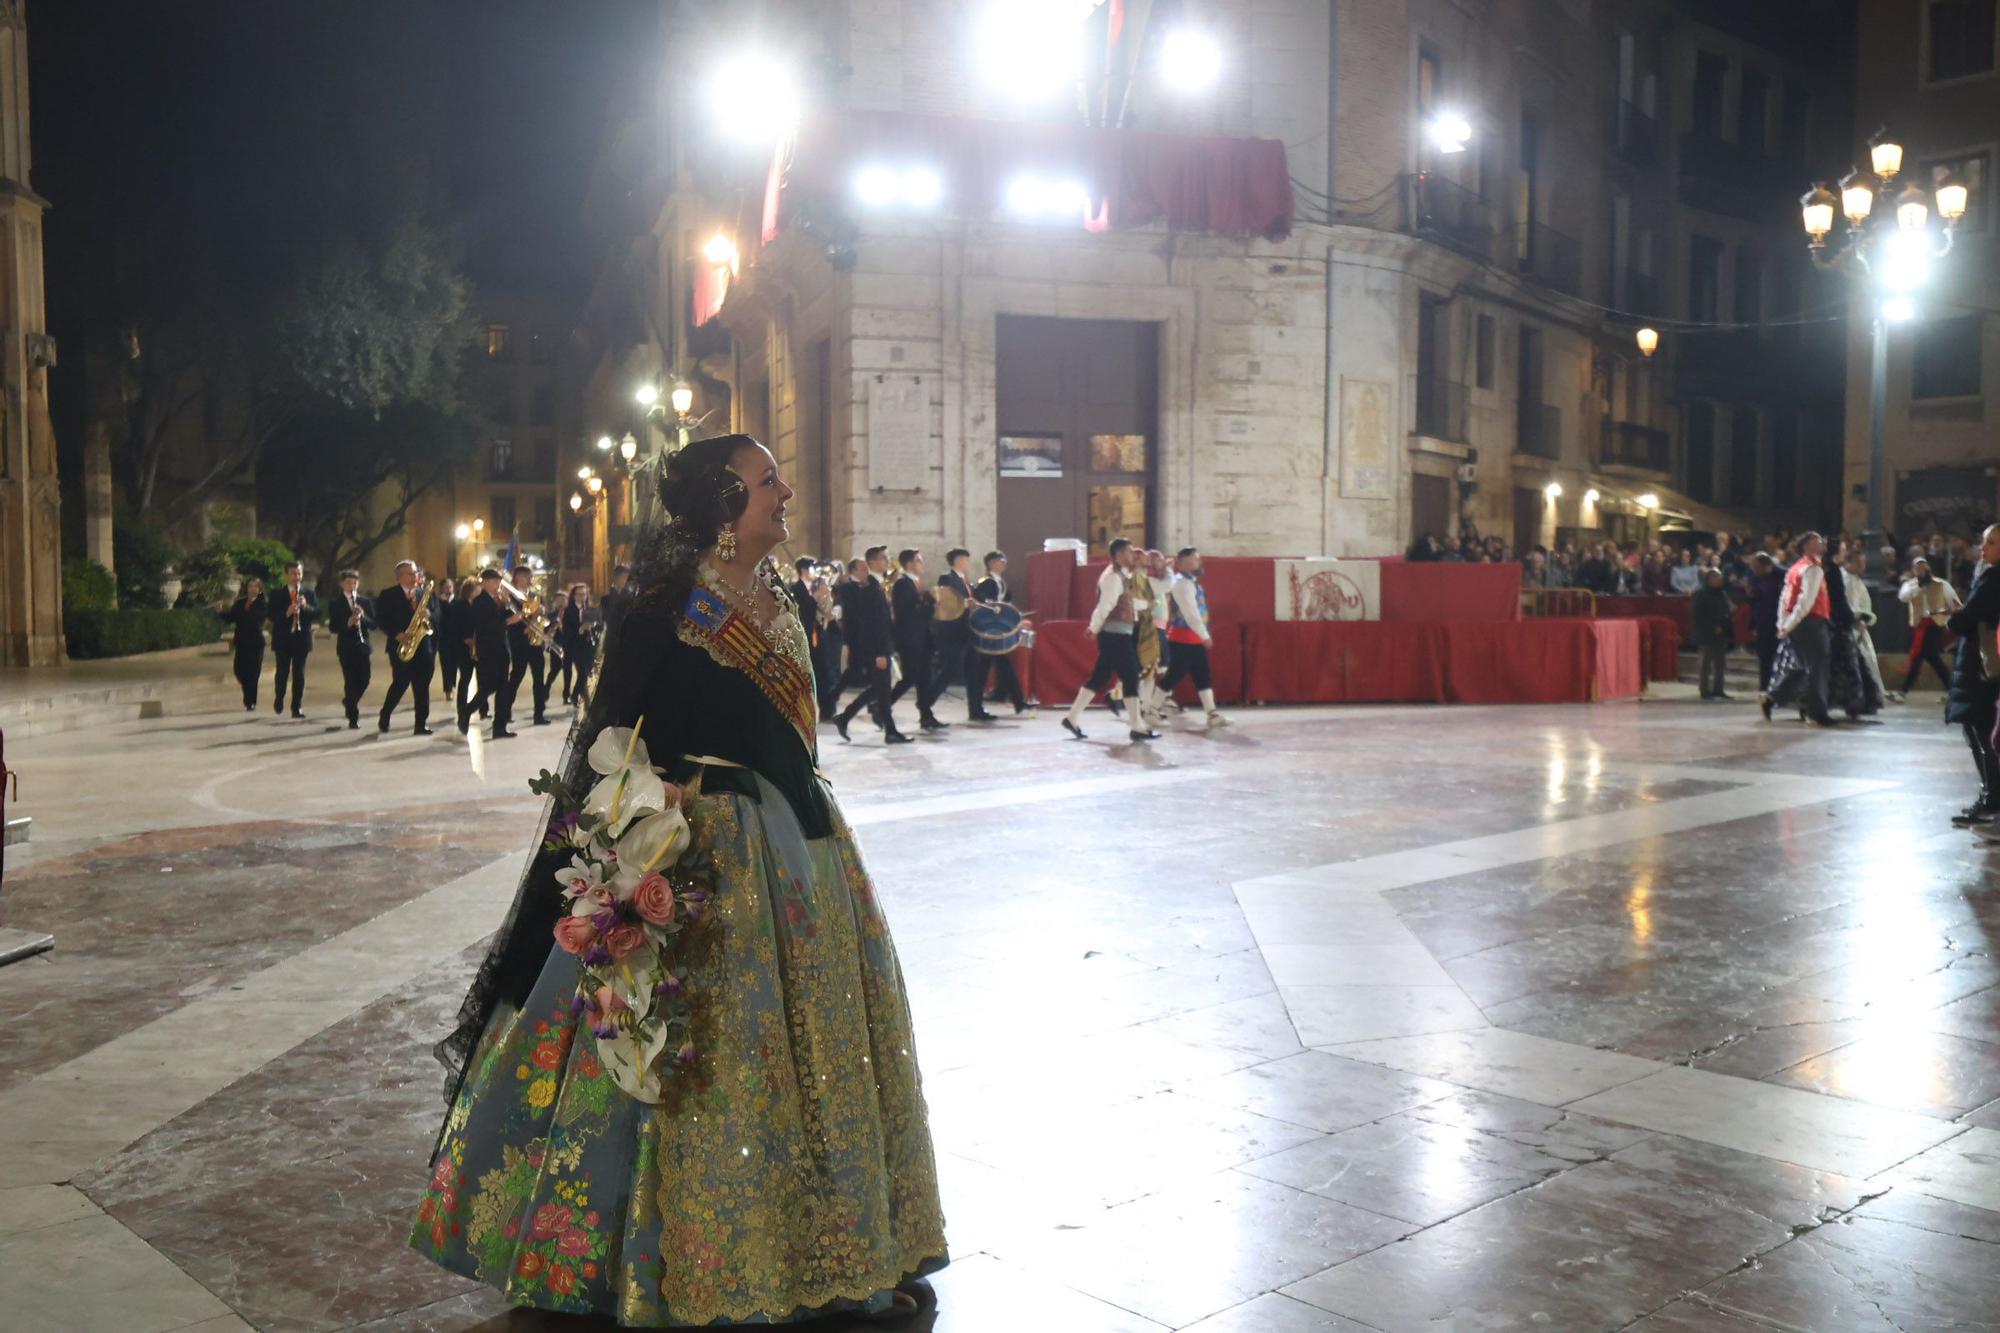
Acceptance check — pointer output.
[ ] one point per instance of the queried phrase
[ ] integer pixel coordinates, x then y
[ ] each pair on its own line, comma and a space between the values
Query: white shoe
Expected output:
1217, 720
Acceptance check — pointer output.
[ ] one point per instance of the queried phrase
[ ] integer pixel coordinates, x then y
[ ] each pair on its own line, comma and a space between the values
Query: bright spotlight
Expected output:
1190, 60
755, 98
647, 394
604, 444
1906, 260
1553, 490
1899, 310
628, 448
463, 532
875, 186
921, 188
1031, 49
1649, 501
720, 250
683, 397
1450, 132
1040, 197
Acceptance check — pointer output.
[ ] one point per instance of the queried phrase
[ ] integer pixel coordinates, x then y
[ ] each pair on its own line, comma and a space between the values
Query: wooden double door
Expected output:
1078, 428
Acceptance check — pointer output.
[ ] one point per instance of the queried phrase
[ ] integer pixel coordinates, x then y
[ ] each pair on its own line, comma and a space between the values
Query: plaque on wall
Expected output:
899, 432
1364, 440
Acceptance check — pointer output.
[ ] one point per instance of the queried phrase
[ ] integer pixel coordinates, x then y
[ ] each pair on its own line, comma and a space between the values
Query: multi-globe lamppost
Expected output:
1892, 248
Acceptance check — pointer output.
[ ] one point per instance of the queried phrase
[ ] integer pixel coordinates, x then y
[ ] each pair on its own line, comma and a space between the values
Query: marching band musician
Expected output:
493, 622
992, 591
949, 628
353, 616
866, 617
294, 611
455, 624
450, 649
912, 604
394, 610
528, 655
578, 636
248, 614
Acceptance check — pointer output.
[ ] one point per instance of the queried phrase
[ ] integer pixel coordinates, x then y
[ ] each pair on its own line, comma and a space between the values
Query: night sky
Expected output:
152, 114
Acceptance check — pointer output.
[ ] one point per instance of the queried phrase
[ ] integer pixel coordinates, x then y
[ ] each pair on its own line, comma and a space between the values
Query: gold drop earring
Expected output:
725, 545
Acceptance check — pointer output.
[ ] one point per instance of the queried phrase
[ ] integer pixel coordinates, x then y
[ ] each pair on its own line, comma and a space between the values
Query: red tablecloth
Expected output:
1049, 574
1618, 659
1349, 661
1680, 610
1531, 661
1240, 587
1065, 656
1662, 649
1427, 592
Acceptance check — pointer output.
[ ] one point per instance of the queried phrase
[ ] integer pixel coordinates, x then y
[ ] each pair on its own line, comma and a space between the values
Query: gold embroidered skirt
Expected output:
789, 1173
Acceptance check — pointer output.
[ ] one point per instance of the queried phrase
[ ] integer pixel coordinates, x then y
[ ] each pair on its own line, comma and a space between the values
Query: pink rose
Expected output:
551, 1218
574, 934
624, 939
654, 900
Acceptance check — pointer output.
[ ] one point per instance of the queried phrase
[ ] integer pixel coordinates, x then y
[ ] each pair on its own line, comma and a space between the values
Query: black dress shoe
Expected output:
983, 717
424, 731
840, 725
543, 722
500, 735
382, 724
1144, 735
299, 713
895, 738
932, 724
1073, 729
279, 707
354, 724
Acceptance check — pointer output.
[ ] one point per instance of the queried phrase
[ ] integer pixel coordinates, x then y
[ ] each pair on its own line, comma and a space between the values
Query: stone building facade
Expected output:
1440, 339
30, 506
1931, 74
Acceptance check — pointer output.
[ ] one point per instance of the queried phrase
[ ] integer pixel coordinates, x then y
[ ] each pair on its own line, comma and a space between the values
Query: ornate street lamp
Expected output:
1892, 249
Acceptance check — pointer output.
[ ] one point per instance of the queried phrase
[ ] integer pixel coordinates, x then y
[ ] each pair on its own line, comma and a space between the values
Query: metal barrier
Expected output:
1559, 603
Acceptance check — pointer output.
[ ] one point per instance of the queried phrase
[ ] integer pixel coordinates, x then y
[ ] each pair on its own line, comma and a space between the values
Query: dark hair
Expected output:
856, 563
489, 573
906, 555
616, 570
802, 564
951, 556
347, 574
991, 556
874, 551
1187, 551
699, 491
525, 569
1119, 544
296, 564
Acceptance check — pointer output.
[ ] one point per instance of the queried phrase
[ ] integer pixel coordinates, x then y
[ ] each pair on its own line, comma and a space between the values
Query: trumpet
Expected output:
412, 638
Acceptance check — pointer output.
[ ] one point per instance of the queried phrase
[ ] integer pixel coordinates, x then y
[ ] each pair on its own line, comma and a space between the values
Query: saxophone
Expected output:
533, 626
412, 638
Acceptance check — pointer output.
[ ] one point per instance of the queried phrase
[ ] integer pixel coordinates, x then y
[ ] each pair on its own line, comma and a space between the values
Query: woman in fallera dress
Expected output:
717, 1119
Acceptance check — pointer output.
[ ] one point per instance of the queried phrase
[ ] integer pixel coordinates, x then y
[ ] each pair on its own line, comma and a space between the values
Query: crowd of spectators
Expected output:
1676, 568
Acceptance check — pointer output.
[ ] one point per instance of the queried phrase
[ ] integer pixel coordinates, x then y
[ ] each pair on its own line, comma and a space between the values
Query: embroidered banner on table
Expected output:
1326, 589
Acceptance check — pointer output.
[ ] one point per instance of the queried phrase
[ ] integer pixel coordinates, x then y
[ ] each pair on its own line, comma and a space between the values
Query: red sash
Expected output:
711, 623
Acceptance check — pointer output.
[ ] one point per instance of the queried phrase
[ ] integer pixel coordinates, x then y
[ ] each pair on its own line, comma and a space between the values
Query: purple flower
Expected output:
685, 1055
578, 1003
694, 911
671, 988
693, 895
607, 1031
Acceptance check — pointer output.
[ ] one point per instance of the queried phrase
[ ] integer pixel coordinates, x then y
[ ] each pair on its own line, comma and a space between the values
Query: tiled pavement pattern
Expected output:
1644, 1016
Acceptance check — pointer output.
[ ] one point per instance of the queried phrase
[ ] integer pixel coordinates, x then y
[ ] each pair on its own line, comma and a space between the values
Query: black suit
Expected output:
450, 651
350, 645
953, 638
248, 616
578, 637
866, 616
993, 591
823, 637
528, 657
393, 612
291, 645
492, 664
913, 608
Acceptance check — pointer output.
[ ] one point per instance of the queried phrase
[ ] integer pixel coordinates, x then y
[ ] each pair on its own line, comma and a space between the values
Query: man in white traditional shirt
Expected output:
1113, 624
1189, 637
1931, 601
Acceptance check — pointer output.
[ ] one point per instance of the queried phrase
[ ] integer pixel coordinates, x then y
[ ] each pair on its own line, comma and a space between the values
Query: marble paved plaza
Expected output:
1644, 1016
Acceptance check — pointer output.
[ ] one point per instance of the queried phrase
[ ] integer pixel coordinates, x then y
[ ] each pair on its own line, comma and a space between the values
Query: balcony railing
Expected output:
1450, 214
1629, 444
1538, 430
1549, 257
1441, 409
1635, 134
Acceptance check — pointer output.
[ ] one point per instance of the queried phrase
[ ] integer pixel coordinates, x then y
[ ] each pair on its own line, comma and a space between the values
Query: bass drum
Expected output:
997, 630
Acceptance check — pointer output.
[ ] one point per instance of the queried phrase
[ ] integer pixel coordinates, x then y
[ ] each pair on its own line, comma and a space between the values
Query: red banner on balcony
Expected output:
1196, 183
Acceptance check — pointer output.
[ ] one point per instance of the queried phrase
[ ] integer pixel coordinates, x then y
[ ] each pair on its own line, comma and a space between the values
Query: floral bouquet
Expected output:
633, 885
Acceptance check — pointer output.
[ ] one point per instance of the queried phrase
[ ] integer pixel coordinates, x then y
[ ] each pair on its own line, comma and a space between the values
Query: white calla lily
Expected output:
652, 843
616, 749
625, 796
